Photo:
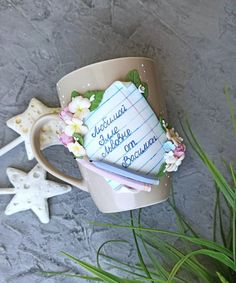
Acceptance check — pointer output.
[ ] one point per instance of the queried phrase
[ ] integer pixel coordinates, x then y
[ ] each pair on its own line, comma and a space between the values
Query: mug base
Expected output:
137, 207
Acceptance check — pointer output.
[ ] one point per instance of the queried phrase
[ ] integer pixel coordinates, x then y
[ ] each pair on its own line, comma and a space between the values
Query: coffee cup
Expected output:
127, 117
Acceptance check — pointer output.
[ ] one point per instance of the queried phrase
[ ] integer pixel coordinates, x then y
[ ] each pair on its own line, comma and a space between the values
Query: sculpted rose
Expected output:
179, 150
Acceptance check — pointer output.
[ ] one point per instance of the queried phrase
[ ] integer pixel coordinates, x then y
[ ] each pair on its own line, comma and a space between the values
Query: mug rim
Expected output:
102, 62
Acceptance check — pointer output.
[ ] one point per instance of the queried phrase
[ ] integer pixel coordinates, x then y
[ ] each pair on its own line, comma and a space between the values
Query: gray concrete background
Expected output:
194, 45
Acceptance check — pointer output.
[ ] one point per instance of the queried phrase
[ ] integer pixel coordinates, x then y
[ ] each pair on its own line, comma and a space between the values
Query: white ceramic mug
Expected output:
100, 76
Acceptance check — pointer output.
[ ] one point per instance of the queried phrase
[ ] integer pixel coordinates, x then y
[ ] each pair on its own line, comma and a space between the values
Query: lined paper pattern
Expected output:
131, 118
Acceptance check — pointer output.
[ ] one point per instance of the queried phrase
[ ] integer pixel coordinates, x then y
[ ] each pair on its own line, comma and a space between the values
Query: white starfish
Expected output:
32, 191
23, 122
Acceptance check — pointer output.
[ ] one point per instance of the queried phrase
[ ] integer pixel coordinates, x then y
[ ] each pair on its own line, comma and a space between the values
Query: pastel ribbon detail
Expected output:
120, 179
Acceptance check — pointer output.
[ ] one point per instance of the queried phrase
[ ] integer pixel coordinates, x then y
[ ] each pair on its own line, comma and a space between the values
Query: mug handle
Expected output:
34, 142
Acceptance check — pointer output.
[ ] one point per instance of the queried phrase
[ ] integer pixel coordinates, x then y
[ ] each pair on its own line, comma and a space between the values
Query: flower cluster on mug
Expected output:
73, 115
174, 148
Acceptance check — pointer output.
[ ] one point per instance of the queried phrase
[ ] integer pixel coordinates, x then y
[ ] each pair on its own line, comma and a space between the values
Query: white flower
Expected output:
76, 149
79, 106
172, 162
75, 126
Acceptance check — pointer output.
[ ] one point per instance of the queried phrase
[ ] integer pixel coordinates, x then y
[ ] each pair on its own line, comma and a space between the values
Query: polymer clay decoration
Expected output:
174, 149
31, 191
23, 122
116, 129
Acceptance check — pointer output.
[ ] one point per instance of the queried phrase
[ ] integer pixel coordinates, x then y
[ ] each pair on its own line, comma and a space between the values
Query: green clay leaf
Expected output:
98, 95
79, 138
75, 94
133, 76
161, 171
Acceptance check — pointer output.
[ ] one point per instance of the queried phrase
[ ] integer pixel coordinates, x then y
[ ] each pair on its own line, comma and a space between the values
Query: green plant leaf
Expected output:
234, 215
71, 276
75, 94
216, 255
137, 280
195, 240
161, 171
222, 229
104, 244
79, 138
142, 263
104, 275
126, 270
132, 267
98, 95
158, 267
221, 277
171, 253
217, 176
231, 108
182, 222
215, 212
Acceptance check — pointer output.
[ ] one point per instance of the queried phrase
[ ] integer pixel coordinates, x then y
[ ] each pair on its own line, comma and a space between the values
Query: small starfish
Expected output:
31, 191
23, 122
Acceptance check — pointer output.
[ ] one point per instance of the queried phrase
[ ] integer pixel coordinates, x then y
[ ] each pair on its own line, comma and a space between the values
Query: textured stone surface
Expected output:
193, 43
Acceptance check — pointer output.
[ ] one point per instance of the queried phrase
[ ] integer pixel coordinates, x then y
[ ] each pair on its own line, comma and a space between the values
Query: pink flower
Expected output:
66, 115
179, 150
65, 139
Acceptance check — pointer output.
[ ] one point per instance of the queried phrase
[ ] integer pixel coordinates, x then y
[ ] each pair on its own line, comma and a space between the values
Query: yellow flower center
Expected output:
79, 110
76, 147
75, 128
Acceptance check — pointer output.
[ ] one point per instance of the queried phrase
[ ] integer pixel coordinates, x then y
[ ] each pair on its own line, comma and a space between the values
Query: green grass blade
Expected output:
184, 227
216, 255
104, 275
112, 265
72, 276
234, 216
138, 249
126, 270
137, 280
104, 244
157, 265
221, 277
229, 243
228, 168
194, 240
174, 254
215, 214
183, 223
231, 108
234, 237
222, 230
137, 268
219, 179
